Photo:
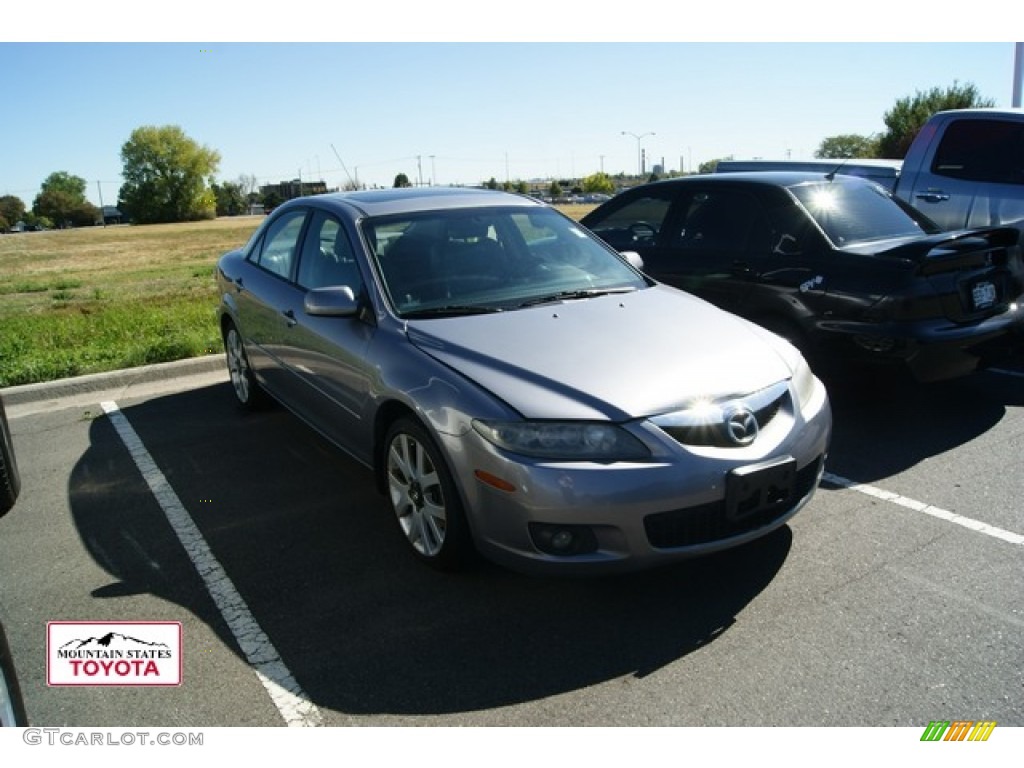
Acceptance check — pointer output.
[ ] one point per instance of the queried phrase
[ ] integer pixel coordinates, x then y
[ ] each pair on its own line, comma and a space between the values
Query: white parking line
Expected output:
928, 509
289, 698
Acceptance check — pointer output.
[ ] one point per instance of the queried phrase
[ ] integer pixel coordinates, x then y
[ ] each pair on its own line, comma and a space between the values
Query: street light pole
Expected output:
639, 152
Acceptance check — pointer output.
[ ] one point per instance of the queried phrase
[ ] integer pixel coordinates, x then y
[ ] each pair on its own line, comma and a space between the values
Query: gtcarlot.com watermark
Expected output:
74, 737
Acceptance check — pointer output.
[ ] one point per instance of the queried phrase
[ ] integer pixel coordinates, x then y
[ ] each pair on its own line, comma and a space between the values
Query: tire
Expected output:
10, 480
424, 499
247, 391
12, 706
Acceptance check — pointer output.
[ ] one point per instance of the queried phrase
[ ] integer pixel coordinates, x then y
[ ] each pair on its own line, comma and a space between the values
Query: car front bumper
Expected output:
640, 514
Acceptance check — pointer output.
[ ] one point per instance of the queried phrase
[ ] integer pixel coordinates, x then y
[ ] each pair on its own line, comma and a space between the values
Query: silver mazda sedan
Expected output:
518, 388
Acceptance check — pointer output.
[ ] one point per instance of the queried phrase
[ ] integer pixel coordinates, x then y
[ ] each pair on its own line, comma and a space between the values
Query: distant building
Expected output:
286, 190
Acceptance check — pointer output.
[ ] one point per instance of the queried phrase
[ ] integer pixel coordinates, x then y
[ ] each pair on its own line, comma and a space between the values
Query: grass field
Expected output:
98, 299
103, 298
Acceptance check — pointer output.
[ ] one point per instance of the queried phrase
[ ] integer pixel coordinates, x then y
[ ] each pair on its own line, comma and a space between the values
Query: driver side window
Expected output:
635, 224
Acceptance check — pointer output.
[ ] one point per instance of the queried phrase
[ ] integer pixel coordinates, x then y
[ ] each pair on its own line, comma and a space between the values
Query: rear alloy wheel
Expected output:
423, 497
248, 392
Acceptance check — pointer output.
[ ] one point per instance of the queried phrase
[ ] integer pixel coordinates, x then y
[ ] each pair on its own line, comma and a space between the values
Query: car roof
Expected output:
764, 178
383, 202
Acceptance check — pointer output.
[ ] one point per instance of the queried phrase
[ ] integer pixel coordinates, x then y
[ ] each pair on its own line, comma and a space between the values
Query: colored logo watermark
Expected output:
120, 653
958, 730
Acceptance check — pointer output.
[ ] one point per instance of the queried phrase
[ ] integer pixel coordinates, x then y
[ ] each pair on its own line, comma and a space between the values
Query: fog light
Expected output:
563, 539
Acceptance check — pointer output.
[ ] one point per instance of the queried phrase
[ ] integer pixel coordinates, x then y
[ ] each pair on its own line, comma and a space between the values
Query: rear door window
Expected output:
982, 150
277, 254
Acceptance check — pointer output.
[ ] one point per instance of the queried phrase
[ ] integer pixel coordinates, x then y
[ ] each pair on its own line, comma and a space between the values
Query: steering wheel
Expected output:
641, 230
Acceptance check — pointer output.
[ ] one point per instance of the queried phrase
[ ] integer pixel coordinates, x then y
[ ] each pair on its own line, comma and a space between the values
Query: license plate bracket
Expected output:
761, 487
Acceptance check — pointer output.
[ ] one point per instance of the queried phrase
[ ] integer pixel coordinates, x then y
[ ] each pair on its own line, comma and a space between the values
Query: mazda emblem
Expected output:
740, 425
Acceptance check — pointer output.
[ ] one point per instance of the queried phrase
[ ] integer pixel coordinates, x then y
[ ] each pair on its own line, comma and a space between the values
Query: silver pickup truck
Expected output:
964, 169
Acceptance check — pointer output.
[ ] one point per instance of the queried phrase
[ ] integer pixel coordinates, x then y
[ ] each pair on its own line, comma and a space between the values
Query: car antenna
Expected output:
831, 175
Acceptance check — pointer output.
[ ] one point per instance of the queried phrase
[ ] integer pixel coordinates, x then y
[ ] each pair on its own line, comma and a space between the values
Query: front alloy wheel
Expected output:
423, 497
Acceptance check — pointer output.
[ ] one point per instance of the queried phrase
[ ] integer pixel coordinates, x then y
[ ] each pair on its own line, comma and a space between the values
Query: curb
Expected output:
97, 382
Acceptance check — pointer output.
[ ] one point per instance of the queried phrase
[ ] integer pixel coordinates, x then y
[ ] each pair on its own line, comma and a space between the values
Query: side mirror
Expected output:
332, 301
633, 259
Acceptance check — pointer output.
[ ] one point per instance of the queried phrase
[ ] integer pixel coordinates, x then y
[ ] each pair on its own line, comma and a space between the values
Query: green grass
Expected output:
98, 299
85, 301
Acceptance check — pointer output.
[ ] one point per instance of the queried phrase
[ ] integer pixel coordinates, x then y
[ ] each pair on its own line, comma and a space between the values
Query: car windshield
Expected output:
490, 259
855, 213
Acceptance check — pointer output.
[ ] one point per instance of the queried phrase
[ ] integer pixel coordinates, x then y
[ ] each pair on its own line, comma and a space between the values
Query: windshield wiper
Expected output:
450, 310
583, 293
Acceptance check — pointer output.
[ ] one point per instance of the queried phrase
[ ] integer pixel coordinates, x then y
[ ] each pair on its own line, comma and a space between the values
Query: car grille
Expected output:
715, 434
708, 522
706, 427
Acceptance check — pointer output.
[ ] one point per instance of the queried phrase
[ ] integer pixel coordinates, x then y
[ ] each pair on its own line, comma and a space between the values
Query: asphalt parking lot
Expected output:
894, 599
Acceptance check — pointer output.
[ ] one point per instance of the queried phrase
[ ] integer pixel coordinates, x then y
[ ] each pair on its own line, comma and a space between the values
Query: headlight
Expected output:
803, 382
566, 440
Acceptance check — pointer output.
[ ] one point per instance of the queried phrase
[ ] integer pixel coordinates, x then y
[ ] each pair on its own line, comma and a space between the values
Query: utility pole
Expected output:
639, 151
1018, 65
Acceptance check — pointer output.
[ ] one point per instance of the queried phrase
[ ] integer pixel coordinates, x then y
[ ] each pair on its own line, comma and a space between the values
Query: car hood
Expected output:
615, 357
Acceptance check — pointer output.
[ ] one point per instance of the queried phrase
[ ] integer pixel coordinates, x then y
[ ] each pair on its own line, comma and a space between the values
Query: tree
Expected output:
12, 209
61, 199
847, 146
598, 183
231, 198
910, 113
165, 176
250, 185
401, 180
271, 200
710, 165
555, 190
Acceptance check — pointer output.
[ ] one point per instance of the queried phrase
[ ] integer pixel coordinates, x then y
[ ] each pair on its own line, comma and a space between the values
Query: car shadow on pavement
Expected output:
365, 629
883, 425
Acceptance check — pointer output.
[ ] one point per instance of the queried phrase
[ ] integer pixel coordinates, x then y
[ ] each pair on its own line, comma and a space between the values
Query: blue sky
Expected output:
457, 113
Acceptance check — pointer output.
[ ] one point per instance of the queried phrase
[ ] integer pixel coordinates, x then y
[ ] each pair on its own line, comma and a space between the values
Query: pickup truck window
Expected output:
982, 150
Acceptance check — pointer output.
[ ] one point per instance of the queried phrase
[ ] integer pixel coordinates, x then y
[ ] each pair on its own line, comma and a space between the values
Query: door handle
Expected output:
289, 317
239, 287
932, 196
